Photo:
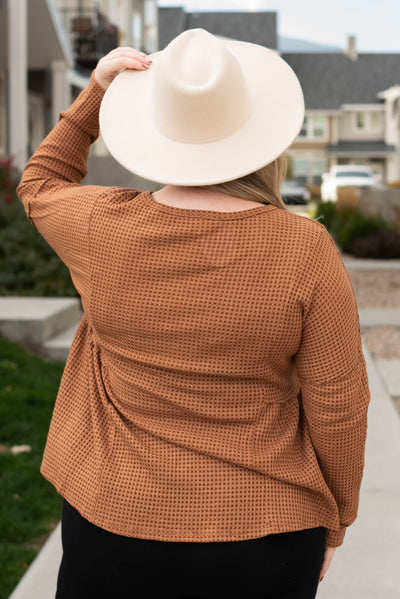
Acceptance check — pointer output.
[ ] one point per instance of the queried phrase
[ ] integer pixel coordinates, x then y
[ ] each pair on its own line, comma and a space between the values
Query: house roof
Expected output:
331, 80
361, 147
256, 27
171, 22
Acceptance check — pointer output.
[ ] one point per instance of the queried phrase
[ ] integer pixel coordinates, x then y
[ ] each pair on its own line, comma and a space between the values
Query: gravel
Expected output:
382, 342
379, 289
376, 289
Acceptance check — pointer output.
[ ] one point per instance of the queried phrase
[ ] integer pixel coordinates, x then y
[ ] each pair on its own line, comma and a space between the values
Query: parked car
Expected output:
293, 192
347, 176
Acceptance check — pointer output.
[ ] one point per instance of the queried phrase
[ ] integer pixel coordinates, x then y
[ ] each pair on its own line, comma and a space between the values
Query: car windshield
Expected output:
291, 183
353, 174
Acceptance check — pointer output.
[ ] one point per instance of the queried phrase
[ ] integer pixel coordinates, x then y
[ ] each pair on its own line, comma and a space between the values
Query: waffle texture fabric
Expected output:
216, 388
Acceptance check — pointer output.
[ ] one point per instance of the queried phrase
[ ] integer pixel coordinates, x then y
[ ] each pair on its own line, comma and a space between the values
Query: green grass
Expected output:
29, 506
312, 209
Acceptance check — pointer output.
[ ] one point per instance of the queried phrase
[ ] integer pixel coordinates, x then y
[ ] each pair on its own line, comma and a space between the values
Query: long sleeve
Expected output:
334, 386
55, 202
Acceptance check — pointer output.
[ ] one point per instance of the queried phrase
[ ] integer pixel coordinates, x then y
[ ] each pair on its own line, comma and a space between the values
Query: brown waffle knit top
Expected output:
215, 389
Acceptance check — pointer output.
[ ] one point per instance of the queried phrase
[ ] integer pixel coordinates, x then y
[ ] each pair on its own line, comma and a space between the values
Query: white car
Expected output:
347, 176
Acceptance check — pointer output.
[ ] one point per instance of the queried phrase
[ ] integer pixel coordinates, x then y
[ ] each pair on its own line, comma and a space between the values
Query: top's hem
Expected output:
204, 537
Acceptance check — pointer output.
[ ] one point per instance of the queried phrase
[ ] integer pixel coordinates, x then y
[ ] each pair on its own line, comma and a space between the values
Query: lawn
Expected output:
29, 505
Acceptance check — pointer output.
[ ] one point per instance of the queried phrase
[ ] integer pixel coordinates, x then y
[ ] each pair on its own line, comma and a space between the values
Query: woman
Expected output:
208, 435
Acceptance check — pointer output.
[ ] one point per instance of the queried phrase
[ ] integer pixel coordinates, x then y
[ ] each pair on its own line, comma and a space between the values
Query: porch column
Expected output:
61, 90
129, 24
150, 41
18, 81
138, 11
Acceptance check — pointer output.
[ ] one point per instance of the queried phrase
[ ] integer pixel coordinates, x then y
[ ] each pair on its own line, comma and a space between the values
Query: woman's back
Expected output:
192, 347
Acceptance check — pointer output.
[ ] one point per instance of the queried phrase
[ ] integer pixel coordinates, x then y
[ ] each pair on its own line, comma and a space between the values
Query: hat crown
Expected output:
200, 93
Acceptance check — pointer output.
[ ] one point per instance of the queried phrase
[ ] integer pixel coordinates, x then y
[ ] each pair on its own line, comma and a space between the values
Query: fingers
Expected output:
117, 59
126, 52
112, 66
328, 555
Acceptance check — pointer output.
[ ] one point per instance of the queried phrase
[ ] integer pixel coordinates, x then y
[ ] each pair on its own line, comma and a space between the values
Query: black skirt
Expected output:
97, 564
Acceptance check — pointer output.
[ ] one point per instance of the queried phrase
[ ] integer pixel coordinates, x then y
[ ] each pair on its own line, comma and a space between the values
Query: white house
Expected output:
47, 51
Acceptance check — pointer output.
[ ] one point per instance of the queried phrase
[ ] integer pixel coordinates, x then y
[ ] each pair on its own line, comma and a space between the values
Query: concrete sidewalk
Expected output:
366, 566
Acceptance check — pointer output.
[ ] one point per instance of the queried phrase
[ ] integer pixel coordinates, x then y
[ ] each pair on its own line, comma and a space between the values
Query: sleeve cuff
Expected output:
334, 538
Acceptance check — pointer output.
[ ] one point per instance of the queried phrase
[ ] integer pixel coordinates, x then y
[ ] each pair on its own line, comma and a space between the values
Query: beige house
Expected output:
47, 51
348, 118
355, 134
349, 115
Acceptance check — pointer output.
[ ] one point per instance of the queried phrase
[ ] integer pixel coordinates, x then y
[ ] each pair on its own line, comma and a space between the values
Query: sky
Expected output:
376, 23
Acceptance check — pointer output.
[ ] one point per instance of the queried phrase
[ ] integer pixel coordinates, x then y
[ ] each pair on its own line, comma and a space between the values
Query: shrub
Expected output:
353, 224
28, 265
359, 234
366, 247
326, 214
384, 244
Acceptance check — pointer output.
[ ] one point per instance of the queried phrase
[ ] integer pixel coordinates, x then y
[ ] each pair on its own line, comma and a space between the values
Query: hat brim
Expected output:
128, 130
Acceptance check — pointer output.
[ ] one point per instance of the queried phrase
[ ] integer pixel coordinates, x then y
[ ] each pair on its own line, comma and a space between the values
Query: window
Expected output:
368, 121
395, 107
317, 167
360, 120
314, 127
318, 126
375, 120
304, 129
354, 173
301, 168
36, 124
308, 170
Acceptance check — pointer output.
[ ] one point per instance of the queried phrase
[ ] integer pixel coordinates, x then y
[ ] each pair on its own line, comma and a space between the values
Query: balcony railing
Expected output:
91, 34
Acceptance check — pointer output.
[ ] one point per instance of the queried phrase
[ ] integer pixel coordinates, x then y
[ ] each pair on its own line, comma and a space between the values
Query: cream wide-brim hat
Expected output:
207, 111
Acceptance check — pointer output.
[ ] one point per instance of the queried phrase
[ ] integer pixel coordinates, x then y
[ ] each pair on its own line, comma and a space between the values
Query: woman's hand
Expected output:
328, 555
118, 59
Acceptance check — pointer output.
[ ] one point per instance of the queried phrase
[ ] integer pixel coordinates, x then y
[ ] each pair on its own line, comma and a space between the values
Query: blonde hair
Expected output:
260, 186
